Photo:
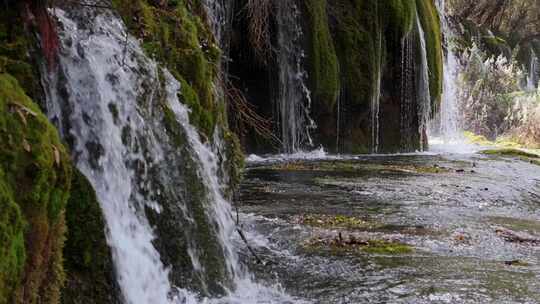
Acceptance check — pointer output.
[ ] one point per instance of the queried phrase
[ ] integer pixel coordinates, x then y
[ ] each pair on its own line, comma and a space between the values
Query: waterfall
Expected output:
446, 125
375, 98
532, 79
104, 101
157, 183
422, 87
293, 100
95, 81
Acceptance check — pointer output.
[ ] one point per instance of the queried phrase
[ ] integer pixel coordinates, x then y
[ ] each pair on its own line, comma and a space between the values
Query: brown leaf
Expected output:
56, 155
28, 111
26, 146
22, 116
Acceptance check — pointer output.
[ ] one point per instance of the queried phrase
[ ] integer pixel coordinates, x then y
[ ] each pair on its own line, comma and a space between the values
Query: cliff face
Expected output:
352, 76
361, 61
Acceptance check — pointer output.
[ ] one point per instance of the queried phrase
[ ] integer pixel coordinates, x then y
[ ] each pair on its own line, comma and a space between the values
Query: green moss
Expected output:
87, 257
510, 152
429, 18
178, 37
12, 250
399, 15
324, 72
386, 247
357, 38
351, 244
36, 174
332, 222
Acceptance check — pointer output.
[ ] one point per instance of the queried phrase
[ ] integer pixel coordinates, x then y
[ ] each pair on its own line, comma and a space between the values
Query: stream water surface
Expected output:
470, 223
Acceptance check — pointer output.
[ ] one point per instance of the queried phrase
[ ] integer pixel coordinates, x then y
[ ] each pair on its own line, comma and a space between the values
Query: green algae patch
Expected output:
387, 247
357, 167
333, 222
510, 152
352, 244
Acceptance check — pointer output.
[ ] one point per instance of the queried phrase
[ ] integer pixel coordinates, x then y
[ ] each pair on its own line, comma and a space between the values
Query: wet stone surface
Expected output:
445, 229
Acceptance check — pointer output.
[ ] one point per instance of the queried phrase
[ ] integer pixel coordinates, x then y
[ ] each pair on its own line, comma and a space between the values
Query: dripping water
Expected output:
532, 78
446, 125
424, 96
376, 96
293, 100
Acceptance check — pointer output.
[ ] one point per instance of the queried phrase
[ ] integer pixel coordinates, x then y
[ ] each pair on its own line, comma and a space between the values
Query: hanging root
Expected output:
245, 114
258, 13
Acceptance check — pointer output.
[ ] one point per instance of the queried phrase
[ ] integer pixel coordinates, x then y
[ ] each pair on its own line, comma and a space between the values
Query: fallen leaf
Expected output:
56, 155
22, 116
26, 146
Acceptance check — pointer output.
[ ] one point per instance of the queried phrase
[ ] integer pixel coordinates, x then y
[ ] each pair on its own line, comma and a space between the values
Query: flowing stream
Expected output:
458, 213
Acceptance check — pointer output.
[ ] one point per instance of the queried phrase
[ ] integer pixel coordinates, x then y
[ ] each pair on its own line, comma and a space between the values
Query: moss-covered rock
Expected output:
176, 35
324, 72
35, 173
87, 257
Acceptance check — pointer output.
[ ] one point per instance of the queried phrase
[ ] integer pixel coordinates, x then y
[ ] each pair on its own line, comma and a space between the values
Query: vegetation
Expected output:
36, 177
176, 34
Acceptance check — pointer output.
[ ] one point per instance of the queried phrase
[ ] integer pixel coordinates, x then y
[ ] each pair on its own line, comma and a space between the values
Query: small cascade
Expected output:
534, 69
160, 188
293, 100
446, 125
107, 100
407, 98
94, 110
220, 15
376, 98
422, 88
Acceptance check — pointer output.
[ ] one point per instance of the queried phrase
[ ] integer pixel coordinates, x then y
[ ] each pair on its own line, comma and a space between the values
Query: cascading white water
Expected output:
446, 125
107, 100
293, 98
532, 78
97, 74
423, 93
375, 98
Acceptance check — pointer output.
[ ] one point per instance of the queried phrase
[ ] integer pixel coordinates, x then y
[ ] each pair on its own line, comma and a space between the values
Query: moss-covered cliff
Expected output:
355, 60
35, 180
88, 263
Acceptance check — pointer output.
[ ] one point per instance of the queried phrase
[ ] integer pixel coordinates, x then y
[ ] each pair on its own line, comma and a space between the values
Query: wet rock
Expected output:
355, 244
516, 263
514, 237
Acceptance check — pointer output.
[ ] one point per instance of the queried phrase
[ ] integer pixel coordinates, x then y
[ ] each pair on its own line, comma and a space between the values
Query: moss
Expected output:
351, 244
429, 18
180, 39
12, 250
36, 174
199, 227
399, 16
386, 247
14, 52
332, 222
87, 257
510, 152
357, 47
324, 72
